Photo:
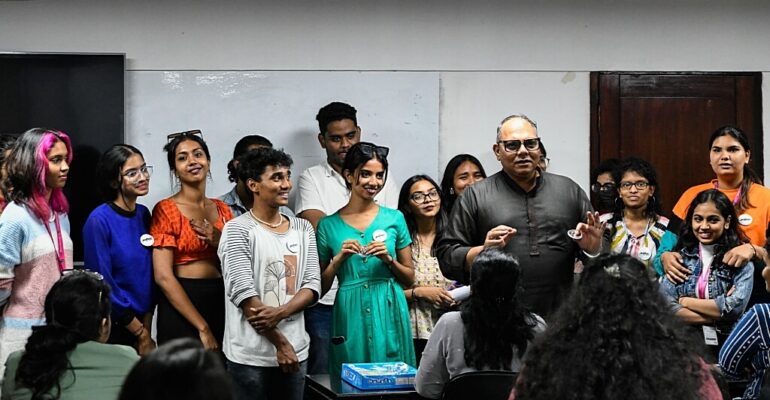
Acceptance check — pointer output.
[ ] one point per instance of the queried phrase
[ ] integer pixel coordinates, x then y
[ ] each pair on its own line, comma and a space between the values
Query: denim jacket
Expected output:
721, 279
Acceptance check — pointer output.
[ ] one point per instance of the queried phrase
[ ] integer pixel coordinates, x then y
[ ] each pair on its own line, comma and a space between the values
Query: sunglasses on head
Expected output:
514, 145
194, 132
370, 149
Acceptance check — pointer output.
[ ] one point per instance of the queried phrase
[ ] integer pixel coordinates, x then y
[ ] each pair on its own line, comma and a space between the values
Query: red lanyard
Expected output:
59, 251
737, 198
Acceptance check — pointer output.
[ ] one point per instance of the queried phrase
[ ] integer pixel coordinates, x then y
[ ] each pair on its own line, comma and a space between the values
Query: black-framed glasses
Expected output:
194, 132
133, 174
602, 188
640, 185
420, 197
370, 149
514, 145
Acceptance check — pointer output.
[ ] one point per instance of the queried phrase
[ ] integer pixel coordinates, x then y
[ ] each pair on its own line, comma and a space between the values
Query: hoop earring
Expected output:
452, 190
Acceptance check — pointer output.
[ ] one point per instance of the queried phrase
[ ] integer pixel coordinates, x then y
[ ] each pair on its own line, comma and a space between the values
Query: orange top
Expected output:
172, 229
754, 221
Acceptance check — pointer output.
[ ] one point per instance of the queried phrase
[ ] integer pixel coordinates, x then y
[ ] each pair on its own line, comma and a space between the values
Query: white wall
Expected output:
496, 57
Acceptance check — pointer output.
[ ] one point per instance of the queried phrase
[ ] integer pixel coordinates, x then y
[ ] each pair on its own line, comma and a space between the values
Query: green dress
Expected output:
370, 311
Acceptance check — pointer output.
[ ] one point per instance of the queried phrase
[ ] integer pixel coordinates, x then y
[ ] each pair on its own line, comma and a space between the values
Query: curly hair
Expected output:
335, 111
613, 339
494, 308
253, 164
654, 206
241, 148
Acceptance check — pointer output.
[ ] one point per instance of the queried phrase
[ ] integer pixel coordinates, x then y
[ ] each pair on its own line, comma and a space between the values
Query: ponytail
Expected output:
45, 359
75, 310
749, 177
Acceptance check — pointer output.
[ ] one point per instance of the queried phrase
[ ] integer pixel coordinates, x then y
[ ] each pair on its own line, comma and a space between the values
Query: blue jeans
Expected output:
318, 320
267, 382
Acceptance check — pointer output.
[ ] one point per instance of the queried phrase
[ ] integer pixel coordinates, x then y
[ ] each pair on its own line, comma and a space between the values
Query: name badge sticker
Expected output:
710, 335
293, 247
380, 235
745, 219
645, 253
146, 240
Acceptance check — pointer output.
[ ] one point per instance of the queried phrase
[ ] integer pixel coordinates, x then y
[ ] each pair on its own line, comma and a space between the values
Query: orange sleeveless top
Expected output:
172, 229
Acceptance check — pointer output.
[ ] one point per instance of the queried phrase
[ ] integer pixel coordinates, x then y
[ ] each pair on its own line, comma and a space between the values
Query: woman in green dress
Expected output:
367, 248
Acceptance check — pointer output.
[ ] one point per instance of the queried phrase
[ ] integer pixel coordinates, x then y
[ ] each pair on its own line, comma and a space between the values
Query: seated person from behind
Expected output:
67, 358
472, 339
179, 369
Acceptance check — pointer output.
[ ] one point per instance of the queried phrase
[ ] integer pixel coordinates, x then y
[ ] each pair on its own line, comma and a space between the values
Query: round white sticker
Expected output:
293, 247
645, 253
146, 240
745, 219
380, 235
574, 234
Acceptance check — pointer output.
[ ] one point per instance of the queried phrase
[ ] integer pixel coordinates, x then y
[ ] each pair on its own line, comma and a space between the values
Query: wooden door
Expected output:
667, 118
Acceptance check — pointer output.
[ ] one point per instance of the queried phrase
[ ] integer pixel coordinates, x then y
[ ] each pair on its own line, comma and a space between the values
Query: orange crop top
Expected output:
172, 229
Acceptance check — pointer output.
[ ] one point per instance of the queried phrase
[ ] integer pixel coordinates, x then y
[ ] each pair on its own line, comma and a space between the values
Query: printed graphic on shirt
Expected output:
280, 281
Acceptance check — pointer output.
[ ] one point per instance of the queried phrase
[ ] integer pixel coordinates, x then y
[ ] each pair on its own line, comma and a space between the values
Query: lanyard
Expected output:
60, 250
704, 274
737, 197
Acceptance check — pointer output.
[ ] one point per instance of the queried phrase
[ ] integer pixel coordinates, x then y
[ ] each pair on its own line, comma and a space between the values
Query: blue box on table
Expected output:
385, 375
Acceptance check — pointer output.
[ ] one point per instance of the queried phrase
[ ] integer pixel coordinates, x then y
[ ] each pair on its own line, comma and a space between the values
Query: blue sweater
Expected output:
112, 246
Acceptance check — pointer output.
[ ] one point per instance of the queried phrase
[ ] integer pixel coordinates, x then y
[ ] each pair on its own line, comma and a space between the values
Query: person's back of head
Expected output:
77, 309
494, 308
179, 369
613, 338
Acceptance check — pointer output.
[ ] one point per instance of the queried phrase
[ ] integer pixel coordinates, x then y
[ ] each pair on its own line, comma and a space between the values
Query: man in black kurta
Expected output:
526, 212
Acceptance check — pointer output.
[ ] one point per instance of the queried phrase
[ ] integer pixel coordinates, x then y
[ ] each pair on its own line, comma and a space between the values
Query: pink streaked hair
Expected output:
37, 203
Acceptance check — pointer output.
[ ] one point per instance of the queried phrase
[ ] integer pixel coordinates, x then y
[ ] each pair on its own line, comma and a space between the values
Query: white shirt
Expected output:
322, 188
274, 267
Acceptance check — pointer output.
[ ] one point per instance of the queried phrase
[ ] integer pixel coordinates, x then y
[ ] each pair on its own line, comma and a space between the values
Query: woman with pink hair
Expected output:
35, 245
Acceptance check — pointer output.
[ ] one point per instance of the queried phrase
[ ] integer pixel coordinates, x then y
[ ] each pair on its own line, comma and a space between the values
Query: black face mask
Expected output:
605, 201
606, 196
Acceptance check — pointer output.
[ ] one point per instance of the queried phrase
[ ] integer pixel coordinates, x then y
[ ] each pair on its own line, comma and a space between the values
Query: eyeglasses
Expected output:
194, 132
640, 185
420, 197
370, 149
603, 188
514, 145
86, 272
133, 174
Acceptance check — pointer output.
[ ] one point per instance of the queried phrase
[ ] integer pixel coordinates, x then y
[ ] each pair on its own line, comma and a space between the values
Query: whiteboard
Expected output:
395, 109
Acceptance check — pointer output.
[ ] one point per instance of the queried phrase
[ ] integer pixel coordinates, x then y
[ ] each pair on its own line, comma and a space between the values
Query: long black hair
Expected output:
654, 207
447, 181
749, 175
109, 168
75, 310
406, 209
496, 322
179, 369
731, 237
613, 338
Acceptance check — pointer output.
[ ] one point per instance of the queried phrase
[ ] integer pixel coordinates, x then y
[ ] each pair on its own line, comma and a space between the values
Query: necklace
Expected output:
280, 220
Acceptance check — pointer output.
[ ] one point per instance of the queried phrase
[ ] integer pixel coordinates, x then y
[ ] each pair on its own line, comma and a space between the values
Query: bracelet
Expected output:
138, 331
414, 296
